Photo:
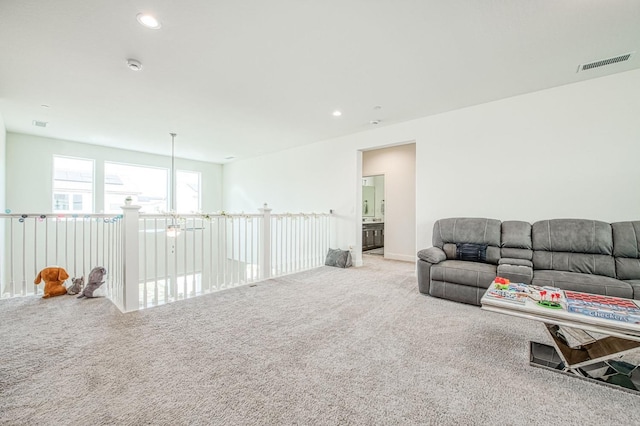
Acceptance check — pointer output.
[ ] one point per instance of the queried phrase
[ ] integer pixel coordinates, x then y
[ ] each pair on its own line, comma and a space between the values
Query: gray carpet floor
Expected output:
324, 347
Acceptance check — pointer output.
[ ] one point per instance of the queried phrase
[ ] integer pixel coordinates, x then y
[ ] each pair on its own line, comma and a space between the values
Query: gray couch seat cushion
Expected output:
586, 283
472, 274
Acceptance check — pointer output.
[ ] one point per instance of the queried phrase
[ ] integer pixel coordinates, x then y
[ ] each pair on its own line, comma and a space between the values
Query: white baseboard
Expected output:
402, 257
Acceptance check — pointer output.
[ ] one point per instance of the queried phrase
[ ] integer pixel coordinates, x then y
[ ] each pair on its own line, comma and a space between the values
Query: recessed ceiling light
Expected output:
337, 113
148, 21
45, 106
230, 157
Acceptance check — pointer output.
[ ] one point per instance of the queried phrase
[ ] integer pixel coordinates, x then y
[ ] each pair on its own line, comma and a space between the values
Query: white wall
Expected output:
3, 180
3, 163
571, 151
398, 165
30, 171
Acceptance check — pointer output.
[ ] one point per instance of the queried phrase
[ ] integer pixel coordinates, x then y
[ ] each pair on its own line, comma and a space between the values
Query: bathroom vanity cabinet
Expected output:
372, 235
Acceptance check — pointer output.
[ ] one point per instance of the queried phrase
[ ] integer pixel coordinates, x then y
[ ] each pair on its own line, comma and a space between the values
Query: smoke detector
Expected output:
134, 64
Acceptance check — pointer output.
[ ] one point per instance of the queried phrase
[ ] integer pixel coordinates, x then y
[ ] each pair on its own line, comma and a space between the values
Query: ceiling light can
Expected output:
148, 21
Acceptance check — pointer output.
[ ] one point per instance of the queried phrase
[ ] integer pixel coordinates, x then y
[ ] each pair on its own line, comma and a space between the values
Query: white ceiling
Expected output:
242, 78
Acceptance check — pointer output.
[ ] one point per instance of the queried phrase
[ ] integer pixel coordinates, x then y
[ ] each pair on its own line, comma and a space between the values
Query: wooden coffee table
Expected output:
594, 337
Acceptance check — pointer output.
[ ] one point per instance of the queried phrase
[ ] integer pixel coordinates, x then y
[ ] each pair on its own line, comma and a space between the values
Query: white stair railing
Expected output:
153, 259
78, 243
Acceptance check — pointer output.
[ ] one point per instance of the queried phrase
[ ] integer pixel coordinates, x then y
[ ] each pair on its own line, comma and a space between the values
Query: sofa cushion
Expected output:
450, 250
516, 234
516, 240
575, 262
626, 239
572, 235
515, 261
626, 249
573, 245
585, 283
635, 285
516, 253
627, 269
465, 273
468, 230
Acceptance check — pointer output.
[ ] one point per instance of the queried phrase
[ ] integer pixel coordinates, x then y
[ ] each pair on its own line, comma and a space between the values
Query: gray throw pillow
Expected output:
339, 258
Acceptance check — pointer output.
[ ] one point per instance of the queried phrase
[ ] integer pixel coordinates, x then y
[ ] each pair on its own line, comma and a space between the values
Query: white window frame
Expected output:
133, 192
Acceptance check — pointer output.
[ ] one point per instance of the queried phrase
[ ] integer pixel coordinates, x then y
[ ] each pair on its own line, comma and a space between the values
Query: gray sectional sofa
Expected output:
572, 254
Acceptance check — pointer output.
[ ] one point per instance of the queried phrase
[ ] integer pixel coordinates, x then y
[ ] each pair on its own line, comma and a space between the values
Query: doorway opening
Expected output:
388, 203
373, 215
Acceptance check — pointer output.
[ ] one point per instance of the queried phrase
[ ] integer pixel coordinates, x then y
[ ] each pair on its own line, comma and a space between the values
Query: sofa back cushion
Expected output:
516, 240
573, 245
453, 232
626, 249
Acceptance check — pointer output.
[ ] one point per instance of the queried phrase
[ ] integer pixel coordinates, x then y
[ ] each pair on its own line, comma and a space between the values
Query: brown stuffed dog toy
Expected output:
54, 278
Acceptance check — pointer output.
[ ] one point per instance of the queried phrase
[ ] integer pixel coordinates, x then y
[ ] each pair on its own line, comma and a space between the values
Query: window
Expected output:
72, 185
187, 191
147, 186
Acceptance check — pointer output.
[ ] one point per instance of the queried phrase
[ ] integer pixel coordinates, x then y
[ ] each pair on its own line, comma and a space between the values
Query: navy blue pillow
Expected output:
471, 252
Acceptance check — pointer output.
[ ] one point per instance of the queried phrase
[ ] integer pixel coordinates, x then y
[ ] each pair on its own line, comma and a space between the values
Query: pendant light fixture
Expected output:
173, 230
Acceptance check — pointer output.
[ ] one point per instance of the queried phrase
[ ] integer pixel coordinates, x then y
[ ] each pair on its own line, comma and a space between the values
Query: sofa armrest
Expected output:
432, 255
516, 270
424, 275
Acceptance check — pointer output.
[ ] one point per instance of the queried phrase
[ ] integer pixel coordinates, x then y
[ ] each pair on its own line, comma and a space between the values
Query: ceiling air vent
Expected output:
40, 123
603, 62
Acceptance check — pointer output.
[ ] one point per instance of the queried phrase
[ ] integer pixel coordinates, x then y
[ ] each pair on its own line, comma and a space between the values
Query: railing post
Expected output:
130, 298
265, 241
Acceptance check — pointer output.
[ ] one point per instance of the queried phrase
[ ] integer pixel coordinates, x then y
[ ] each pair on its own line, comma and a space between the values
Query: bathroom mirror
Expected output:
373, 197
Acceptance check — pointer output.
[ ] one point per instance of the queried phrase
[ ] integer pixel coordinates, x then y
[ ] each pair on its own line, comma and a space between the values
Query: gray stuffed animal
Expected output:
77, 284
95, 281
